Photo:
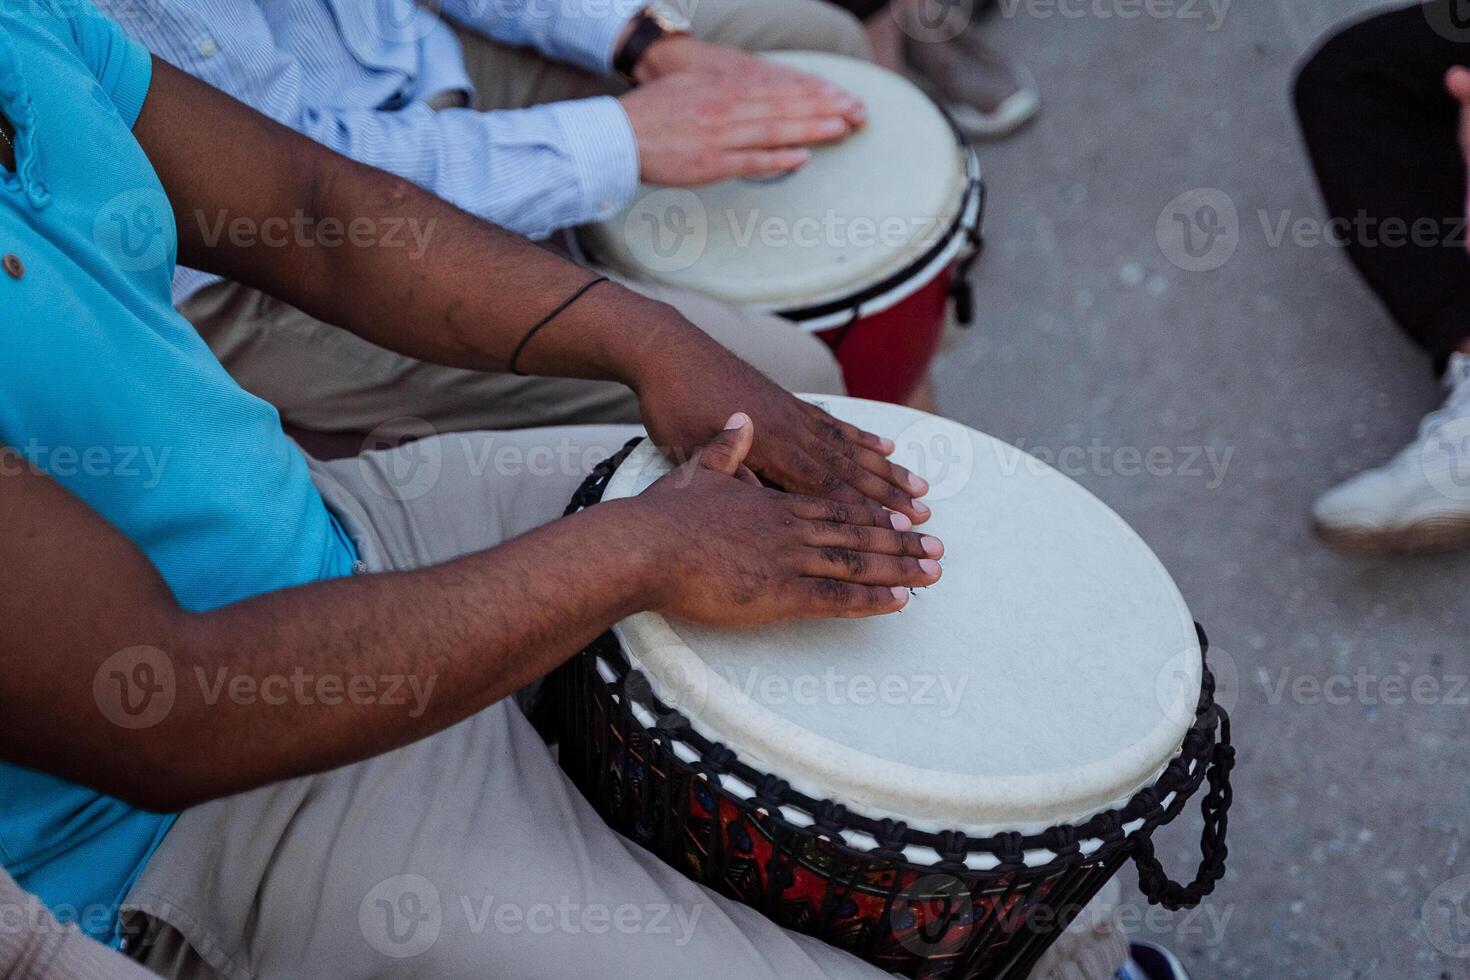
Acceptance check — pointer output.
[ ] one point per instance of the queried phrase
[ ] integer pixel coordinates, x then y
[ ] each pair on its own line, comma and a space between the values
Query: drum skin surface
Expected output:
861, 210
1050, 674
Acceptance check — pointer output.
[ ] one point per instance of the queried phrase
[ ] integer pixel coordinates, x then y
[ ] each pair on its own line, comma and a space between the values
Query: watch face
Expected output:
669, 17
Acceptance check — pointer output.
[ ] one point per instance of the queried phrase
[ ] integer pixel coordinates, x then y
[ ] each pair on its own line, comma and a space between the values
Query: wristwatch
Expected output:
653, 23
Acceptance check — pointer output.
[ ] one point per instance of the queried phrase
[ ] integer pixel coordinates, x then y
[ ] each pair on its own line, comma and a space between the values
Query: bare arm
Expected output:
77, 592
74, 593
473, 292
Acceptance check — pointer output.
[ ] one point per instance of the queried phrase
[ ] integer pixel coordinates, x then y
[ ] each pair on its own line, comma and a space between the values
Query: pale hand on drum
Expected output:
798, 446
680, 54
743, 555
696, 128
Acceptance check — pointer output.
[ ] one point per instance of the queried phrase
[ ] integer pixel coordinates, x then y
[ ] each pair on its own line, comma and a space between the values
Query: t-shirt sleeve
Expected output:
121, 65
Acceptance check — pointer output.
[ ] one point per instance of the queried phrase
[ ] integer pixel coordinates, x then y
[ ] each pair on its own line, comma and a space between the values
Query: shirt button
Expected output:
14, 267
208, 48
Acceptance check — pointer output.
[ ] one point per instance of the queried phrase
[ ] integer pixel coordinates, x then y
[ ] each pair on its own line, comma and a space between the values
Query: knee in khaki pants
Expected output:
781, 25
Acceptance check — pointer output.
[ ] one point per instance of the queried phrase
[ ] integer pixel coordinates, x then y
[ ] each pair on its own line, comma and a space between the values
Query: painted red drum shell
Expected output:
886, 355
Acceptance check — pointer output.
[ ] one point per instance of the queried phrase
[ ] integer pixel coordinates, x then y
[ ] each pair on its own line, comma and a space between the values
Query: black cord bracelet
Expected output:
561, 308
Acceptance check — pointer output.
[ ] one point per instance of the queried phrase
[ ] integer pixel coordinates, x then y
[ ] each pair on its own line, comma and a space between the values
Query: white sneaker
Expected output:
1420, 499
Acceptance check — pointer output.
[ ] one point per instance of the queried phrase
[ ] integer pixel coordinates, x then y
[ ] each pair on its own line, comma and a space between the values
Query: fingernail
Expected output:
917, 484
901, 594
933, 547
737, 421
921, 507
900, 521
886, 445
834, 126
929, 566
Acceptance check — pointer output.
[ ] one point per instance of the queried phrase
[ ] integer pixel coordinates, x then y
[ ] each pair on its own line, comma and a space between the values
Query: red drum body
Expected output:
885, 356
865, 246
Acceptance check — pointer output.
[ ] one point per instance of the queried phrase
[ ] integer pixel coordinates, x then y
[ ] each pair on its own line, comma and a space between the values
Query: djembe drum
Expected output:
864, 246
939, 791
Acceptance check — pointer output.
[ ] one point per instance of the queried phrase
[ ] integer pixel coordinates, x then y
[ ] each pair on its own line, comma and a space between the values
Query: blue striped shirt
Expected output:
355, 75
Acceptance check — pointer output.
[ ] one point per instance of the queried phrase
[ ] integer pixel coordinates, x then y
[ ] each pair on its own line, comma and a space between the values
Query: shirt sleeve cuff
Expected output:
596, 42
135, 76
600, 141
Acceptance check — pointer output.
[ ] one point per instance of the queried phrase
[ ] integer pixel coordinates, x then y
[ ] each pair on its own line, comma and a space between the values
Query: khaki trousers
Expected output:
327, 380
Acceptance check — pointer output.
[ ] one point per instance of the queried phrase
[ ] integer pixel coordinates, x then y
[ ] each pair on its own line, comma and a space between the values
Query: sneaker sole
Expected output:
1016, 111
1420, 538
1008, 117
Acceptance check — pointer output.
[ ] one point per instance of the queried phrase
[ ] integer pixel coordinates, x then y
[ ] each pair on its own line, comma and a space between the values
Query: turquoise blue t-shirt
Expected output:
106, 389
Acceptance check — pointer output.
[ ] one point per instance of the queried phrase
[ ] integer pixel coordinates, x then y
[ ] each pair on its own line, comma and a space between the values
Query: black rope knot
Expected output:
772, 790
951, 847
671, 723
830, 818
1009, 848
1062, 840
716, 759
1109, 826
890, 836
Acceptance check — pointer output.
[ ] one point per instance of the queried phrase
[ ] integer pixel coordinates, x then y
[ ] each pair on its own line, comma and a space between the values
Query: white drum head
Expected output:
859, 212
1050, 674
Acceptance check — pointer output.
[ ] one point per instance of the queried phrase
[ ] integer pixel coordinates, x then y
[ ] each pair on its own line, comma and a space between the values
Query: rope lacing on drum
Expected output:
772, 790
1107, 826
952, 848
1152, 880
891, 836
1010, 849
1062, 840
830, 818
715, 760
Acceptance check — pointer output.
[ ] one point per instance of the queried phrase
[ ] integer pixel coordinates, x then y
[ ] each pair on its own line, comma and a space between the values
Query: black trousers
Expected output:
1382, 135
